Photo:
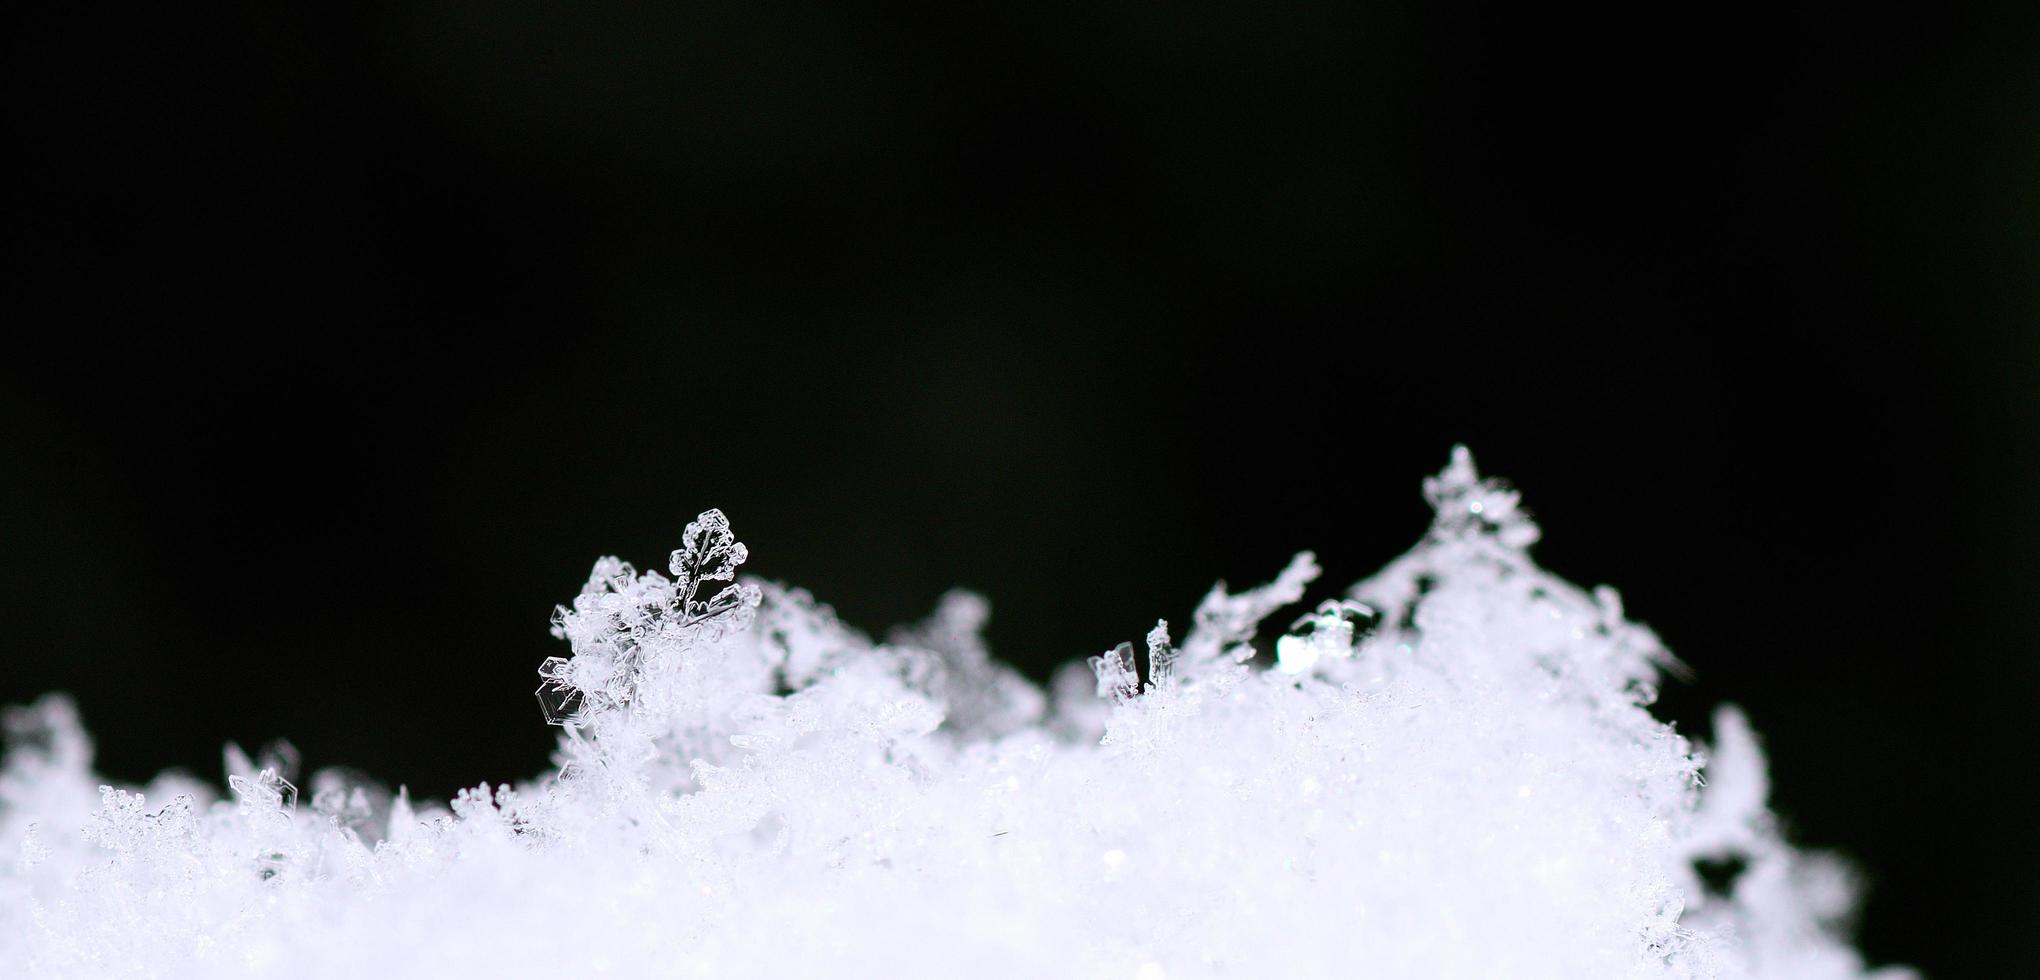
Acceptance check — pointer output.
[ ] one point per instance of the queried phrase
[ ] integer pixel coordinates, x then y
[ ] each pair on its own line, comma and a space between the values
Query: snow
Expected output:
1451, 770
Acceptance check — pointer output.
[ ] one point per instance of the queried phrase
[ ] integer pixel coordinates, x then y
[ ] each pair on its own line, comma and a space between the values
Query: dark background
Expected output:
343, 342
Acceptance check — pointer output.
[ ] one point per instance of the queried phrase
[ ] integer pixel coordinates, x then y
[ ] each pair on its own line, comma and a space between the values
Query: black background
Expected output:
344, 342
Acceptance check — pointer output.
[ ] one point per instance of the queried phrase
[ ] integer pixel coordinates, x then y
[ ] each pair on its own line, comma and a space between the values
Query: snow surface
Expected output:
1450, 771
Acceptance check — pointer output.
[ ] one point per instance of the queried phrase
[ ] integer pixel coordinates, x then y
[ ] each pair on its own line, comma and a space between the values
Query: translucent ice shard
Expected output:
1330, 631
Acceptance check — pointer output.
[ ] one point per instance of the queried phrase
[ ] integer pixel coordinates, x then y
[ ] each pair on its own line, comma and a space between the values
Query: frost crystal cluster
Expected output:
1448, 771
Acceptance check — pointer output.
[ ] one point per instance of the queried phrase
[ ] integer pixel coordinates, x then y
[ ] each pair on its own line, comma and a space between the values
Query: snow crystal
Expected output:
1450, 770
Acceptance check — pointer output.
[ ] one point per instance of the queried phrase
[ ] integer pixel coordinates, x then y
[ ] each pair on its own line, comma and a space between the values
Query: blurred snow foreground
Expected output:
1450, 771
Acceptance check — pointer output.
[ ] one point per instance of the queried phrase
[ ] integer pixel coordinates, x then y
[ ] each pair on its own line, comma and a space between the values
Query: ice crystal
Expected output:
1327, 632
1450, 770
629, 632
